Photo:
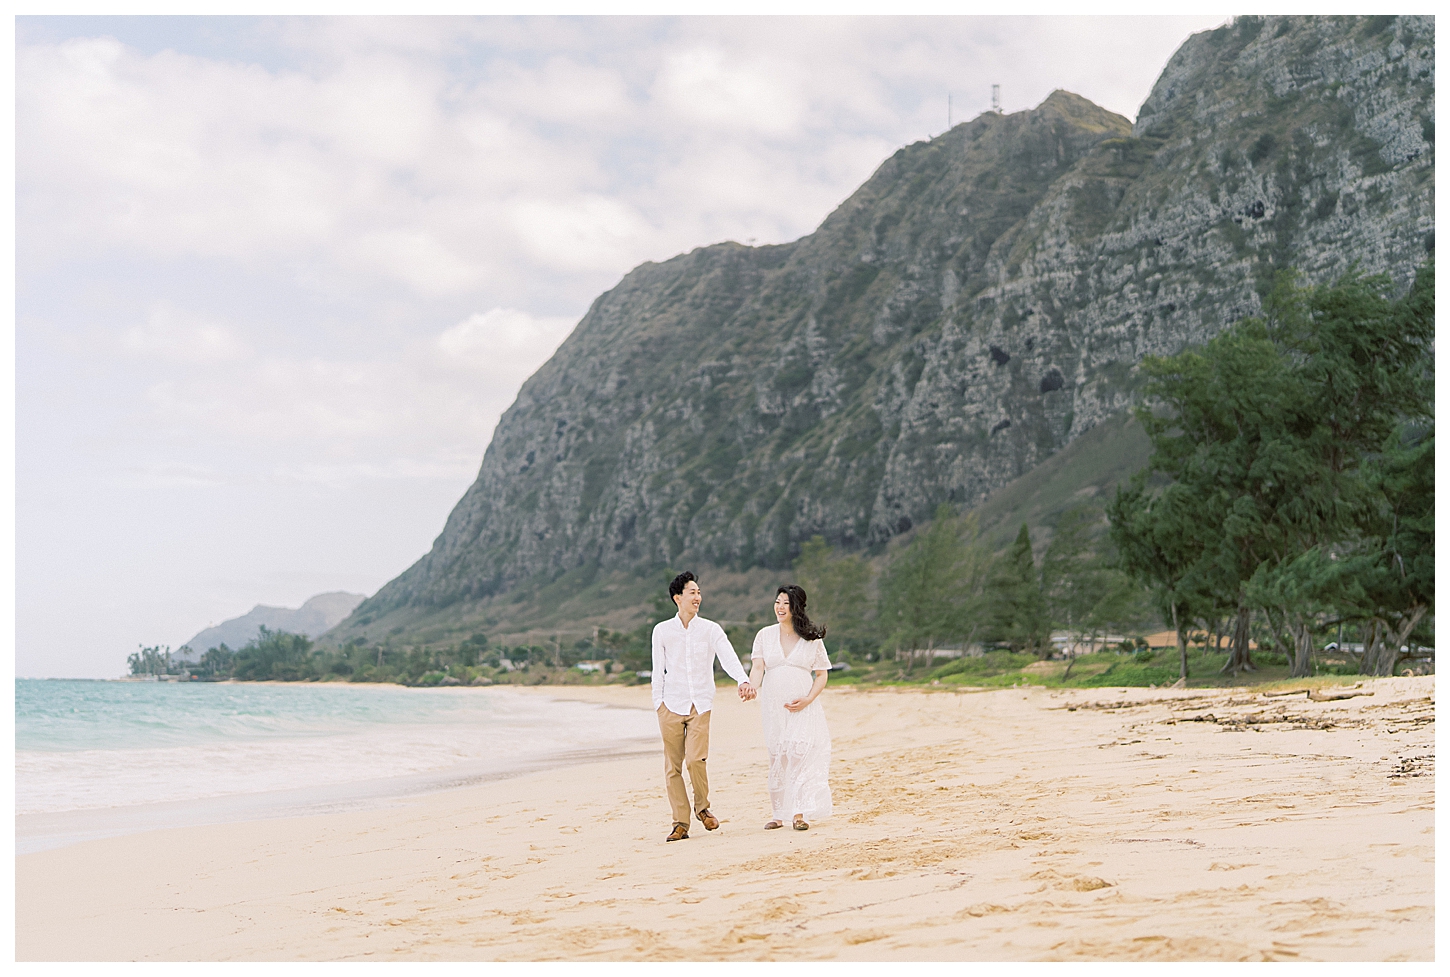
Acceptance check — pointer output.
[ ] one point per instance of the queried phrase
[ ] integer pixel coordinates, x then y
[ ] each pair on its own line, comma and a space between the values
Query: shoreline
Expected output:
1010, 824
1034, 676
45, 830
49, 830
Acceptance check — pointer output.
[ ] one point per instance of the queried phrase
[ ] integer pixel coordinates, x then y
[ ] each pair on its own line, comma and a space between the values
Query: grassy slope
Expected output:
1086, 471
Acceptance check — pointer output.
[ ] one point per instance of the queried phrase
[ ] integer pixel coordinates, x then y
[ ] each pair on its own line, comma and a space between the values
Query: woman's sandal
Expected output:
800, 825
774, 824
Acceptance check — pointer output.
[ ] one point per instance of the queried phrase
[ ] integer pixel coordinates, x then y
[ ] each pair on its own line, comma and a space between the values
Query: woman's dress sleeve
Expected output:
757, 650
822, 662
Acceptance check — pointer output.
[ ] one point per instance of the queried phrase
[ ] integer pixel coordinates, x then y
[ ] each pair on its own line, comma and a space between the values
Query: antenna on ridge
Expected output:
997, 99
949, 110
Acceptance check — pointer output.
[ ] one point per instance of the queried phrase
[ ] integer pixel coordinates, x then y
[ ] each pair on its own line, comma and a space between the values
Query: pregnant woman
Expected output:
796, 737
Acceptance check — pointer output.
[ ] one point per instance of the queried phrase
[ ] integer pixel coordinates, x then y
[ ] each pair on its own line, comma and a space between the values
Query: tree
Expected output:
1267, 433
1359, 361
932, 589
836, 588
1087, 595
1017, 609
1161, 542
155, 660
276, 655
216, 662
470, 650
1213, 418
1124, 605
1403, 551
1387, 580
1075, 579
1294, 595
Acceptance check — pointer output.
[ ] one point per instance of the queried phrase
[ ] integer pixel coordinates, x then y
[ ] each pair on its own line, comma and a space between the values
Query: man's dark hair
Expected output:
677, 585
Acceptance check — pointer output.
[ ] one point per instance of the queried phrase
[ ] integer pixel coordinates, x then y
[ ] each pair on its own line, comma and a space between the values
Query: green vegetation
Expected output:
933, 590
1110, 668
839, 585
1016, 610
155, 660
1298, 449
281, 657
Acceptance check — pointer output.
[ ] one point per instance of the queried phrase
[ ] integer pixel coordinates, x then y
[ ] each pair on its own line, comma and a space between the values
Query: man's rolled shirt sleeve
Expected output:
728, 659
657, 668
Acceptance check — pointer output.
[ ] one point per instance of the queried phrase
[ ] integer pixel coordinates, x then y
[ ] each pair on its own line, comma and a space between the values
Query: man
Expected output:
682, 680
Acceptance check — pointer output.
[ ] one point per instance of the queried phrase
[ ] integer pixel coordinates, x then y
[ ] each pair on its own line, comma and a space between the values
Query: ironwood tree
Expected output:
1275, 440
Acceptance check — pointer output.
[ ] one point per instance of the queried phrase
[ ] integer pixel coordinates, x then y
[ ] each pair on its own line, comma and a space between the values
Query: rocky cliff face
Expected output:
979, 303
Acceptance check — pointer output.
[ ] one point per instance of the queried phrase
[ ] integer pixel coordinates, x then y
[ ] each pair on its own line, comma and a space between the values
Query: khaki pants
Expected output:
687, 741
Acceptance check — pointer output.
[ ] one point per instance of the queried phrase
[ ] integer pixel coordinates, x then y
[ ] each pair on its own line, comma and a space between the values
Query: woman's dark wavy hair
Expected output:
803, 625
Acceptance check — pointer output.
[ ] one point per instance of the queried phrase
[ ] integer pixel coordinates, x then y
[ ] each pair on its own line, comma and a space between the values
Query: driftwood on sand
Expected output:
1317, 696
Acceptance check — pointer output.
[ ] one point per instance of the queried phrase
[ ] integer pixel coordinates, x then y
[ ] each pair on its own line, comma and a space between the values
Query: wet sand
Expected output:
1019, 824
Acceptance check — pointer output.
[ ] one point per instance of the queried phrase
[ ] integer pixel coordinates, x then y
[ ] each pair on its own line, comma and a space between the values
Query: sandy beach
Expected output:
1016, 824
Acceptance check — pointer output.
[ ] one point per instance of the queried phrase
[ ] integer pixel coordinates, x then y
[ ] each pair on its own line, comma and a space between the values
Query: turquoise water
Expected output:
62, 715
86, 750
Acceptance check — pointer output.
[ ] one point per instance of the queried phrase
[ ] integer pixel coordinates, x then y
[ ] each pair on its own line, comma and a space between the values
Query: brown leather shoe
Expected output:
681, 832
801, 825
708, 820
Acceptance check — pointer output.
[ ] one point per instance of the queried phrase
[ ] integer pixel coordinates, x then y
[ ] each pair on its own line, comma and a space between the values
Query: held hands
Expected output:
747, 691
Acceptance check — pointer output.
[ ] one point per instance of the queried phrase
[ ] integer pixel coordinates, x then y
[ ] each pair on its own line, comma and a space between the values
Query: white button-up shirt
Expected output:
683, 674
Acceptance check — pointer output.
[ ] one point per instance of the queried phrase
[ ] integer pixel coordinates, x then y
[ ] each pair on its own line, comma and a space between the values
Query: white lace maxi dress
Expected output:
797, 743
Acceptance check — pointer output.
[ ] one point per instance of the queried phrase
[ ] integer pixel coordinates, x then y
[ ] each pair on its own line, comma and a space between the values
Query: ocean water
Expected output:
102, 758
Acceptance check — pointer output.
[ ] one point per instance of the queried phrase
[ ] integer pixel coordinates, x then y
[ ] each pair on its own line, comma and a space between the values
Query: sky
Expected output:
278, 278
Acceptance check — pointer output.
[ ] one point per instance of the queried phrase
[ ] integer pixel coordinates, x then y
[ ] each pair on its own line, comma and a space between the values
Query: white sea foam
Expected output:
52, 781
90, 756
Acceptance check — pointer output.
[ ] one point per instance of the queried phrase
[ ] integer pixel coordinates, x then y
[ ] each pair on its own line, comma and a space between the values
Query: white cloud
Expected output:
710, 87
349, 474
284, 407
172, 155
424, 411
172, 334
562, 90
338, 39
170, 475
588, 232
503, 341
419, 260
